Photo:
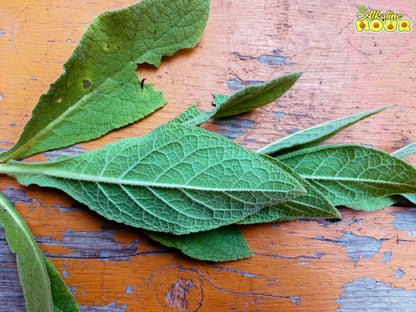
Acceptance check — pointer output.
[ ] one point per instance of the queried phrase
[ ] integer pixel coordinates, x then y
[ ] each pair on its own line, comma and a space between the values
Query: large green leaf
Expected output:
352, 173
177, 179
42, 284
242, 101
314, 136
222, 244
98, 89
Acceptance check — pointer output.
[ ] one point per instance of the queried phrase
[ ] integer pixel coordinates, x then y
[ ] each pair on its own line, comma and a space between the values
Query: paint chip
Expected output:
357, 246
398, 273
405, 220
367, 294
386, 257
234, 126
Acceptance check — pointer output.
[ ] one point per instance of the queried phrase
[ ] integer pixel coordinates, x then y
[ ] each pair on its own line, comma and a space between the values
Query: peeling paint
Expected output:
101, 244
14, 196
237, 84
386, 257
291, 131
176, 296
129, 290
113, 307
405, 220
364, 294
1, 97
279, 115
242, 273
398, 273
71, 151
5, 142
358, 246
234, 126
296, 300
270, 59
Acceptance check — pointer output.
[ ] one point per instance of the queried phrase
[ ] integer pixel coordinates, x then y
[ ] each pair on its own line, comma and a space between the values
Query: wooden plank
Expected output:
363, 261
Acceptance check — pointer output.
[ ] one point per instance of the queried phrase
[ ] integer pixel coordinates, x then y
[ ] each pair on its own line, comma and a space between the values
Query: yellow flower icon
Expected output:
362, 25
404, 25
376, 25
390, 25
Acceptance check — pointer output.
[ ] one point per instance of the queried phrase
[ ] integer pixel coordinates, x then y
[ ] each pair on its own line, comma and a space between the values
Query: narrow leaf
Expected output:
405, 152
62, 297
98, 89
314, 136
222, 244
246, 99
176, 179
352, 173
34, 268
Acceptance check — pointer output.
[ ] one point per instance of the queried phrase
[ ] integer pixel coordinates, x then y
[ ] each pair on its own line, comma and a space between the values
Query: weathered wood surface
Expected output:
365, 261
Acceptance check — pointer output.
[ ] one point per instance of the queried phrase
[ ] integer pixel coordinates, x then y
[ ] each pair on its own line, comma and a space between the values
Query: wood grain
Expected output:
365, 261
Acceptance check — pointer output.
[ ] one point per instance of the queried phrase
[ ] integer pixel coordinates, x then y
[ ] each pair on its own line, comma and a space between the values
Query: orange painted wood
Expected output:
368, 258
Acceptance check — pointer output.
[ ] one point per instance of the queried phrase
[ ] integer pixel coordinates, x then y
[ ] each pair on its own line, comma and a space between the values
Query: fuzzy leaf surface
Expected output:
63, 301
352, 173
314, 136
222, 244
246, 99
42, 284
312, 204
99, 90
176, 179
383, 202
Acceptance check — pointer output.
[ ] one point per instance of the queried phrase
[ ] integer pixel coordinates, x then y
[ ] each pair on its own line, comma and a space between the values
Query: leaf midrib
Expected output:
342, 179
60, 118
31, 170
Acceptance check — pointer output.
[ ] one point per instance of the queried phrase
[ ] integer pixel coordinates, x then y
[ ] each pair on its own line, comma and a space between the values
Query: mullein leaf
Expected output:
314, 136
99, 90
222, 244
176, 179
352, 173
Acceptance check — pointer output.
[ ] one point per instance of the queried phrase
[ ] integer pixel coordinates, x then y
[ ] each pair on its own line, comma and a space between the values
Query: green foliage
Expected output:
314, 136
184, 185
99, 89
244, 100
222, 244
42, 284
177, 179
352, 173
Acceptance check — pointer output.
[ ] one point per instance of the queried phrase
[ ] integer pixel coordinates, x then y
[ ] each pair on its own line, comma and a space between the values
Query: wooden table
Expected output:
367, 261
